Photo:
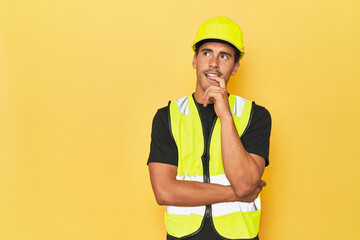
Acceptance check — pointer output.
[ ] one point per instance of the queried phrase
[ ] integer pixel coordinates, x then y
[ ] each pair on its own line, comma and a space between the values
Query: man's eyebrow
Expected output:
206, 50
210, 50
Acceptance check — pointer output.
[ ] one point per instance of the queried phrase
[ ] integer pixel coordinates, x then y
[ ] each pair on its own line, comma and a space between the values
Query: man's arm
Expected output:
169, 191
243, 170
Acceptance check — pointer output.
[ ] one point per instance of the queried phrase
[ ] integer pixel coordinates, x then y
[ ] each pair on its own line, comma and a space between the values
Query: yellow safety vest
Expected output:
231, 220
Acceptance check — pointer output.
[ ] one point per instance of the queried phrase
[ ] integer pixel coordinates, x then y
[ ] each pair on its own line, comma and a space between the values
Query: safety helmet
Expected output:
221, 28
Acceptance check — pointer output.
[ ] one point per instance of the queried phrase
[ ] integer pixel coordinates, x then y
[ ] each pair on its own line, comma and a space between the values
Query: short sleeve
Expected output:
256, 139
163, 148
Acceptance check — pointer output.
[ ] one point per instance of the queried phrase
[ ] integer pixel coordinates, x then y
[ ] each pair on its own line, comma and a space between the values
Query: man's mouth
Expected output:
209, 75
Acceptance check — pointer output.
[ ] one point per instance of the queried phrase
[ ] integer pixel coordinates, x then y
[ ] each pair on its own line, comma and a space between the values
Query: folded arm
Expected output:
169, 191
243, 170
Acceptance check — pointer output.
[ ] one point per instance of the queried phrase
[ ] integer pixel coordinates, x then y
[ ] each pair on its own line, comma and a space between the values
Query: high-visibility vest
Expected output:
231, 220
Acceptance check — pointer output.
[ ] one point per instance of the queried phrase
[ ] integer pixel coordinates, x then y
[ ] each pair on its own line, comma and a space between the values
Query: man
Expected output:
209, 149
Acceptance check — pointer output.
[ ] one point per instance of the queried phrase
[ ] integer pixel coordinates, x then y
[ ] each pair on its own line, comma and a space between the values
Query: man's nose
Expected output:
214, 63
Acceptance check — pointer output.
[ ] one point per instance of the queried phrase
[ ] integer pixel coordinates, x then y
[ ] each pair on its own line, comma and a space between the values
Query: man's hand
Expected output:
219, 96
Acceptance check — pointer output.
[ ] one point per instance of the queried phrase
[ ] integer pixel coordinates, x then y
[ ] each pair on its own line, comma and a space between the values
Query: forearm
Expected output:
189, 193
169, 191
241, 169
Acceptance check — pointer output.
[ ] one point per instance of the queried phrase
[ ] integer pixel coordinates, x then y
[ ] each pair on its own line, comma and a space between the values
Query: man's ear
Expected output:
194, 61
235, 68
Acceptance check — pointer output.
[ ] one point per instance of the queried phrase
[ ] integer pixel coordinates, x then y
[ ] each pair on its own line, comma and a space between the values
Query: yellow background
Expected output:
80, 82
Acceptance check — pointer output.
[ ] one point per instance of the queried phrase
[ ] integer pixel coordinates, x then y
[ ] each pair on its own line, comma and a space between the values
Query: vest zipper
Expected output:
205, 158
207, 164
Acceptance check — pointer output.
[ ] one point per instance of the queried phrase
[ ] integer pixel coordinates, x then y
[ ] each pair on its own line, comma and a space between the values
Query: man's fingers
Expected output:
206, 101
210, 93
262, 183
214, 91
256, 192
207, 96
221, 81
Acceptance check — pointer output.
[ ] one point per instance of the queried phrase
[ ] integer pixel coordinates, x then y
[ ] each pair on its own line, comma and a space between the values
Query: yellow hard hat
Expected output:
221, 28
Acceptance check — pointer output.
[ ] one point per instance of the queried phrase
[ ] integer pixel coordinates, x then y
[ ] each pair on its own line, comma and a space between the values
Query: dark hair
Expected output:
237, 53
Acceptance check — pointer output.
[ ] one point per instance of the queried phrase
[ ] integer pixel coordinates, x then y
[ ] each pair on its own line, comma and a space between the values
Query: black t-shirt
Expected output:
163, 148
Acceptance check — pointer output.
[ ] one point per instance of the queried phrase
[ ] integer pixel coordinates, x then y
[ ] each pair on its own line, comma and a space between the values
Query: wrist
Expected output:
232, 194
226, 118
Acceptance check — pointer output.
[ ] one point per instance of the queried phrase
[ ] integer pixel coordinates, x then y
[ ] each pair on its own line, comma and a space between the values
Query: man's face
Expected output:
213, 60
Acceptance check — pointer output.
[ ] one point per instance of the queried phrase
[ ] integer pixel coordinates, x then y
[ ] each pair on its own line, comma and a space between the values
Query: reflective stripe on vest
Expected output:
232, 220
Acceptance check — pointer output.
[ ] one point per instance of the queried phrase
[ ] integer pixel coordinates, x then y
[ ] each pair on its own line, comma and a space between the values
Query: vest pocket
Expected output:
238, 225
182, 225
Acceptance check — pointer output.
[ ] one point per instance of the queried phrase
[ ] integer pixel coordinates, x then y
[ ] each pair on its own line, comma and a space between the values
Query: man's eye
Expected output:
225, 57
206, 53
